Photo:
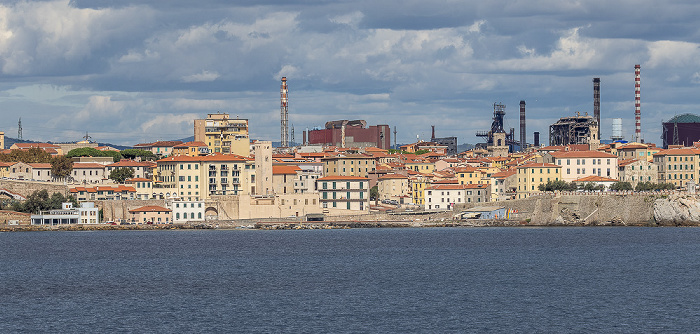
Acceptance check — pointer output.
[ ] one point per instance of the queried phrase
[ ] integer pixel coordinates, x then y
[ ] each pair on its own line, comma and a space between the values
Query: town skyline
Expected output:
139, 72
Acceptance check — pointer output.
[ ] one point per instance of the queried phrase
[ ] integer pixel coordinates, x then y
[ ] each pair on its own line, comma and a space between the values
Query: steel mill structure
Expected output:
498, 142
596, 102
284, 116
574, 130
637, 105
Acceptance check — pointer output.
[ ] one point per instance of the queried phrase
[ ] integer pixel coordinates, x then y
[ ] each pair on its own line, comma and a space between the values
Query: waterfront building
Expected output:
223, 134
597, 181
344, 194
87, 213
187, 211
446, 196
283, 179
143, 186
103, 193
151, 214
198, 178
531, 176
503, 185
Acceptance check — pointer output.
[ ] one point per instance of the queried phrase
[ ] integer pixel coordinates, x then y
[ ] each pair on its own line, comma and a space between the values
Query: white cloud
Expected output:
201, 77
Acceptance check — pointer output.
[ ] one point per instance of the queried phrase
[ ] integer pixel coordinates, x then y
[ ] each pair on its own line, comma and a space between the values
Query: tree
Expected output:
558, 185
374, 193
84, 152
120, 174
40, 201
133, 153
61, 166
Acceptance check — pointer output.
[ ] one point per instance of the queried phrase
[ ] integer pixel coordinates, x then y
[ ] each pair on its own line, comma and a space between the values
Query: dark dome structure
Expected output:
682, 129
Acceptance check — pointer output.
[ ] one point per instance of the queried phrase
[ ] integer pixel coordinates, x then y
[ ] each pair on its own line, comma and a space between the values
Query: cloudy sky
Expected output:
131, 71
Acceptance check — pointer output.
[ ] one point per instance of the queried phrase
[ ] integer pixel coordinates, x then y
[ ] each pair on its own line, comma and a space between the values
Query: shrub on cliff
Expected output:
620, 186
557, 185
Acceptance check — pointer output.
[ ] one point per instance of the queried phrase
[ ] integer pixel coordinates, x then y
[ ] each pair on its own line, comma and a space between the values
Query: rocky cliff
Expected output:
677, 210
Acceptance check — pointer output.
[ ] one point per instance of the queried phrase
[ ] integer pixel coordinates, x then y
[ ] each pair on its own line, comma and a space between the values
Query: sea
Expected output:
403, 280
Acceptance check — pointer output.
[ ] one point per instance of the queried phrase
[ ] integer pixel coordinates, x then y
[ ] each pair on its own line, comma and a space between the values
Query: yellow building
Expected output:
475, 175
530, 177
678, 165
223, 134
192, 149
198, 178
349, 165
420, 165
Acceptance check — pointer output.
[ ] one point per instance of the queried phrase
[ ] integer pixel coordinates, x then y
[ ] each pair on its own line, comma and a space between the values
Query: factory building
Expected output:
681, 130
344, 133
450, 142
575, 130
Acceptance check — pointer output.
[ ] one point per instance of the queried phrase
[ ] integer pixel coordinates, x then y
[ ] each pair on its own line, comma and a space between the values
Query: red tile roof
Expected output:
281, 170
150, 208
343, 178
79, 165
595, 178
539, 165
393, 176
213, 157
582, 154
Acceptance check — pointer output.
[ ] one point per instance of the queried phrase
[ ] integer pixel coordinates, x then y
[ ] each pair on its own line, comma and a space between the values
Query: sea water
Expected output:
623, 280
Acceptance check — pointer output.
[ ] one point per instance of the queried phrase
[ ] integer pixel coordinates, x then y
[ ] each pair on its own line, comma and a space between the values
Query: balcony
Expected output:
212, 168
224, 167
212, 173
223, 173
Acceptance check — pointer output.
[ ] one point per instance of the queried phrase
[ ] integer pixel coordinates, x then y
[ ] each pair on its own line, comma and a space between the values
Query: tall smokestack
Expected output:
637, 105
596, 103
523, 134
432, 137
284, 134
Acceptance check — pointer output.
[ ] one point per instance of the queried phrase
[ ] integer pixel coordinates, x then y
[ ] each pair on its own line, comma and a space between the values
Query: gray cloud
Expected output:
134, 71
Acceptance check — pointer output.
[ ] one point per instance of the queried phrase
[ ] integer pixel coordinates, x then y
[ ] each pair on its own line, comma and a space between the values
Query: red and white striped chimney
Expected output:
637, 106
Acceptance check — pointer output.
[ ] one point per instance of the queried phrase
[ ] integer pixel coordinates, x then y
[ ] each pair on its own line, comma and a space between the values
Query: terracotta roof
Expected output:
40, 165
191, 143
623, 163
119, 188
678, 151
150, 208
446, 181
213, 157
595, 178
632, 147
280, 170
393, 176
343, 178
457, 186
128, 163
582, 154
504, 174
538, 165
160, 144
79, 165
37, 145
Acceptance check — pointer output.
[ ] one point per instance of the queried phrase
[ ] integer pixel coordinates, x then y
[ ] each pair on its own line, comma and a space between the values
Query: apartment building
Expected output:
187, 211
531, 176
143, 186
223, 134
197, 178
446, 196
283, 179
579, 164
635, 171
678, 165
636, 151
87, 172
394, 187
140, 169
344, 194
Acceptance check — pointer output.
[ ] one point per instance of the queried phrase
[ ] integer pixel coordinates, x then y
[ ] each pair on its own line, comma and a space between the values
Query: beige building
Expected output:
344, 194
85, 172
504, 185
103, 193
192, 148
283, 178
261, 180
20, 171
677, 165
41, 172
635, 171
579, 164
531, 176
394, 187
357, 165
144, 187
636, 151
151, 214
140, 169
223, 134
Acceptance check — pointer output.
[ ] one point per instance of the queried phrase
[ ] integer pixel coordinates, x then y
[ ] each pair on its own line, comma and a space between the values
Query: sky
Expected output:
130, 72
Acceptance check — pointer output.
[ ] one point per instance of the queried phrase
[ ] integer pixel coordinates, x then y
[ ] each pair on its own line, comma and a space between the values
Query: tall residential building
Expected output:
223, 134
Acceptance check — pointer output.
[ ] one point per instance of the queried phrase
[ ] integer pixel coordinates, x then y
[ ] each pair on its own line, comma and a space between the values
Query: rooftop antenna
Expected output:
395, 147
87, 137
284, 109
19, 129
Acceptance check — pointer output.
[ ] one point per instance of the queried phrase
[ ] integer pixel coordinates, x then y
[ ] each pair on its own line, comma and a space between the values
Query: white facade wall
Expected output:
576, 168
187, 211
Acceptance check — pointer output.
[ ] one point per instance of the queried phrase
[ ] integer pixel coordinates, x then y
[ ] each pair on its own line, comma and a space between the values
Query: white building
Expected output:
579, 164
87, 213
446, 196
344, 194
187, 211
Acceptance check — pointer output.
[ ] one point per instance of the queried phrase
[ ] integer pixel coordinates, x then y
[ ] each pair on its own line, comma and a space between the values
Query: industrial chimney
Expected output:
637, 105
523, 134
284, 134
596, 103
